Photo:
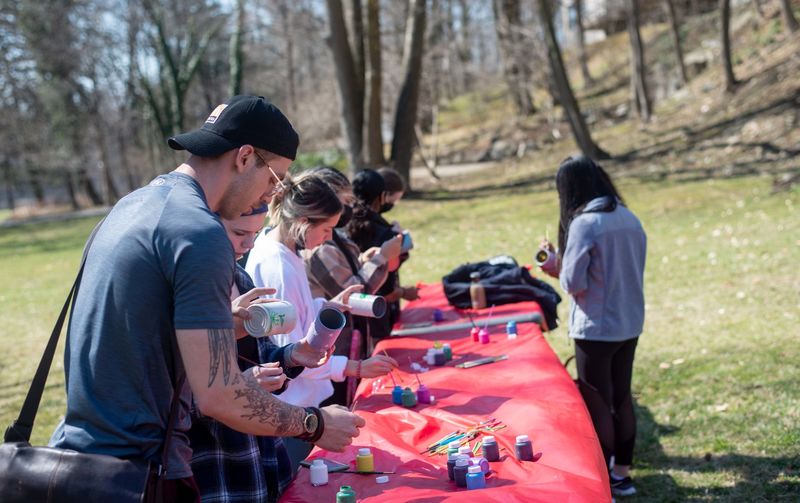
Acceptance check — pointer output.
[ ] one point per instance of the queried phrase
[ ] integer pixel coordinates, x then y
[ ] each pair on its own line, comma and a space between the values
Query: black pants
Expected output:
604, 373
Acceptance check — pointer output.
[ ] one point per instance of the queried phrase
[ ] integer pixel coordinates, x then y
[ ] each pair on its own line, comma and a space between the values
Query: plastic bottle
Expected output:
409, 398
491, 451
423, 394
397, 395
451, 463
460, 470
365, 462
439, 358
482, 462
448, 352
483, 336
475, 332
346, 495
477, 293
511, 329
452, 447
466, 450
524, 448
475, 478
319, 473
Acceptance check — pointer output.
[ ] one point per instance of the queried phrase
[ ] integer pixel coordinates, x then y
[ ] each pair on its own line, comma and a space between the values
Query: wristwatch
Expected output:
313, 425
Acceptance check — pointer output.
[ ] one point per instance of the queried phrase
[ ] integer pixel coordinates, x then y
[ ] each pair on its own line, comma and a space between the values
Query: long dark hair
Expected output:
578, 181
368, 186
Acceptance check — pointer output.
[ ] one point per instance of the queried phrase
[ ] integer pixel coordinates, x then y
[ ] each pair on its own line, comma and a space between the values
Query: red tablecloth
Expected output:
530, 392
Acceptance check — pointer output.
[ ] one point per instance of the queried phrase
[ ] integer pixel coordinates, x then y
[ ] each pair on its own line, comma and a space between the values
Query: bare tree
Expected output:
788, 18
507, 26
373, 127
236, 57
406, 112
757, 7
582, 58
669, 6
567, 99
725, 13
351, 98
639, 94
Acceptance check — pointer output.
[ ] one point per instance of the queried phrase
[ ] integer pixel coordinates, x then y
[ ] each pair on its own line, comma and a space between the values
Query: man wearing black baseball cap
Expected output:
160, 269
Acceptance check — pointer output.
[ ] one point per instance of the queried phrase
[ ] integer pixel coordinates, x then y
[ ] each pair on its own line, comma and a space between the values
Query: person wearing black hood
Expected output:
367, 228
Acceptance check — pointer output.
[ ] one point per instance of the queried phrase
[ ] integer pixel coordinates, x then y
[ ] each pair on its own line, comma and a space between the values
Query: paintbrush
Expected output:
248, 360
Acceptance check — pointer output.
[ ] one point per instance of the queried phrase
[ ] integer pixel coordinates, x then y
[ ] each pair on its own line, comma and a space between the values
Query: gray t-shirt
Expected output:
161, 261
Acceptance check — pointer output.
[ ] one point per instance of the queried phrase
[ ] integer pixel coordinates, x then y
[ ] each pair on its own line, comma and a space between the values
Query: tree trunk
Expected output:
236, 56
676, 39
730, 78
788, 18
640, 97
374, 126
8, 176
287, 21
356, 39
464, 51
757, 7
37, 186
582, 58
578, 125
406, 113
351, 98
72, 189
507, 19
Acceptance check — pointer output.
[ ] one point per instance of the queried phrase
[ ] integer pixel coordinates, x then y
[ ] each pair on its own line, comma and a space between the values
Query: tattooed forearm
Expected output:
286, 419
222, 351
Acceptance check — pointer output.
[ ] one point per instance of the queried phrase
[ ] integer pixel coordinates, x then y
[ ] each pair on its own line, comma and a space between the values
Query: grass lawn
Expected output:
717, 367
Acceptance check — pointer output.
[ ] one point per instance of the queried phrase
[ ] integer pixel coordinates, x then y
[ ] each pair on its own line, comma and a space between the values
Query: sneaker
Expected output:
622, 487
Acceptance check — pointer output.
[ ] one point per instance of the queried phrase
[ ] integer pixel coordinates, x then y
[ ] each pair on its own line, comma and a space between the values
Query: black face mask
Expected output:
344, 218
386, 207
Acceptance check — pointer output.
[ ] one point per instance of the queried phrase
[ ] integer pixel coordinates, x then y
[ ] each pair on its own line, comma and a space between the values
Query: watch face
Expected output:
310, 423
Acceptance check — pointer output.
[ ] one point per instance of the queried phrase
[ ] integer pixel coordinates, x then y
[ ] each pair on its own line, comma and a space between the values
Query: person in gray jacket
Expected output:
602, 248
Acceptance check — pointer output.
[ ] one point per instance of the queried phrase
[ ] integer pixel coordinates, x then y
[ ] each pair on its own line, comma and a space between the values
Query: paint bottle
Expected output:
365, 462
397, 395
475, 478
491, 451
460, 470
474, 333
319, 473
524, 448
409, 398
437, 345
452, 448
438, 315
423, 394
448, 352
451, 463
483, 336
465, 450
346, 495
438, 358
511, 329
429, 356
482, 462
477, 293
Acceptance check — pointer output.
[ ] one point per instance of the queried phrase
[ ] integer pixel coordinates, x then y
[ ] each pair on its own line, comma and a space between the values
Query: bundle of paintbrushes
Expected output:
463, 437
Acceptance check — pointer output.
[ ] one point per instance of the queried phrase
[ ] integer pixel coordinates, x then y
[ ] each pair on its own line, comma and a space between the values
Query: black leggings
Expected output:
604, 373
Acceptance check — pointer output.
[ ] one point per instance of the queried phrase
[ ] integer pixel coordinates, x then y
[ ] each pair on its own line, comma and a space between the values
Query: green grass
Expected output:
716, 371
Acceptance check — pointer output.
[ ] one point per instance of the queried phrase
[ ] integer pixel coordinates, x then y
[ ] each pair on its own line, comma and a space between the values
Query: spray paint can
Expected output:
397, 395
409, 398
475, 478
319, 473
271, 318
474, 333
524, 448
460, 470
483, 336
423, 394
491, 451
326, 328
365, 462
448, 352
511, 329
363, 304
346, 495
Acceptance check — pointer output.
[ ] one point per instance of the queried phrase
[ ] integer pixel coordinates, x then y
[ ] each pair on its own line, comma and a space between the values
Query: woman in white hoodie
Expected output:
303, 215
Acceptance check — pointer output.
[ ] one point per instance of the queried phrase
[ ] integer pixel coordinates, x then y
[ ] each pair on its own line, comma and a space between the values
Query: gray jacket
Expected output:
603, 271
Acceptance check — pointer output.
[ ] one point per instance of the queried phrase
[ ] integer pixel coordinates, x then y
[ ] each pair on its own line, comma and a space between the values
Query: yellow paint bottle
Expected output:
365, 462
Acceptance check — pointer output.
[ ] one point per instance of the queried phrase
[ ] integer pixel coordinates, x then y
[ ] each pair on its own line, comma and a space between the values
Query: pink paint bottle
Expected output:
483, 336
474, 332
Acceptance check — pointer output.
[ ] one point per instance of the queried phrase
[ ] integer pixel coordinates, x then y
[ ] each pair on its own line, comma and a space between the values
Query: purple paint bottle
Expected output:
524, 448
481, 462
438, 315
423, 394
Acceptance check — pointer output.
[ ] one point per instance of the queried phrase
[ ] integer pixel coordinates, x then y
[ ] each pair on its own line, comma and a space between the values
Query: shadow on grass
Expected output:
760, 477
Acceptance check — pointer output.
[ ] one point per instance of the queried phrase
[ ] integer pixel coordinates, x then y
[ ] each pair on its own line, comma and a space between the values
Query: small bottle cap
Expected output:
455, 444
446, 345
364, 451
433, 399
318, 462
462, 461
382, 479
474, 469
475, 275
488, 439
522, 438
439, 351
437, 344
465, 449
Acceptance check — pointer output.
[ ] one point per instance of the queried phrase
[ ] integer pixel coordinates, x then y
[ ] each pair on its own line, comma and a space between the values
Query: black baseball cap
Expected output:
242, 120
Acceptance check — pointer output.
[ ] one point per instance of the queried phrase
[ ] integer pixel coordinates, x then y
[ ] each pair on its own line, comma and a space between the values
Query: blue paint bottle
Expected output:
397, 395
475, 478
460, 470
511, 329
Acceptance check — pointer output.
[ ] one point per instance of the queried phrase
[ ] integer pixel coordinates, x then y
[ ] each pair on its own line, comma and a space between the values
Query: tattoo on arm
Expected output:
265, 408
222, 351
